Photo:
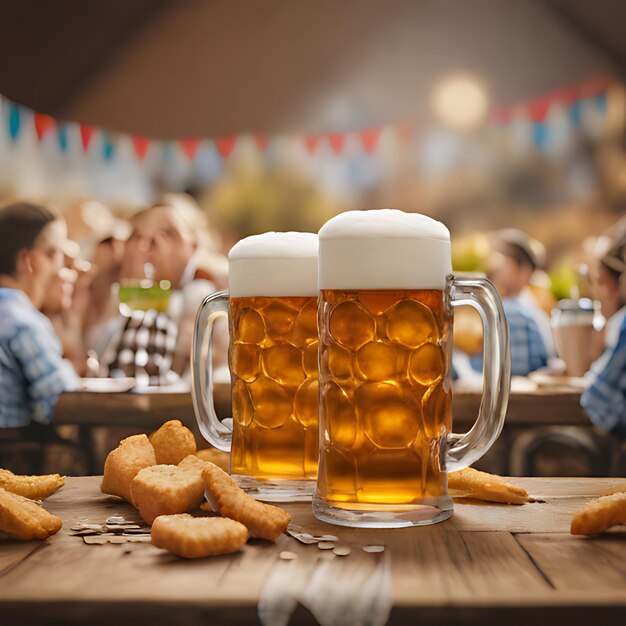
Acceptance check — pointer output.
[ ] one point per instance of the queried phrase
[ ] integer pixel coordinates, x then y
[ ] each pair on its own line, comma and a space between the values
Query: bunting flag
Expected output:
43, 124
141, 145
225, 145
86, 133
580, 107
189, 147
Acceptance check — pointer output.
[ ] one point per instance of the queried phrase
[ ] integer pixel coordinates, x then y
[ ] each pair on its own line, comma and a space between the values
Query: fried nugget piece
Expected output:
197, 537
215, 456
262, 520
482, 486
33, 487
193, 463
167, 490
124, 463
172, 443
599, 515
24, 519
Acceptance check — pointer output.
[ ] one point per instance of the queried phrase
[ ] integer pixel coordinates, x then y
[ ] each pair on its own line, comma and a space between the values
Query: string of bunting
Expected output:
537, 112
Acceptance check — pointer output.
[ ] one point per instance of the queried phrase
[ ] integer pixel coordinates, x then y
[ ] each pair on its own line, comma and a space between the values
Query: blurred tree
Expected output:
251, 201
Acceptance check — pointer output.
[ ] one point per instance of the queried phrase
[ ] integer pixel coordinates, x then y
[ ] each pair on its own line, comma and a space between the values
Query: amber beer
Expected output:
386, 395
273, 363
385, 328
272, 310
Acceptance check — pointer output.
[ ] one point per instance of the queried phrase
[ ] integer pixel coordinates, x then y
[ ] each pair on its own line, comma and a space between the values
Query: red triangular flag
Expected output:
225, 145
336, 141
189, 147
86, 133
261, 142
538, 109
43, 123
369, 139
311, 143
141, 146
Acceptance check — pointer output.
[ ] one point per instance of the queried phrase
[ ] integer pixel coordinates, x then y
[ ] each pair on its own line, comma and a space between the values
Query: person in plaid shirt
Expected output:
513, 260
604, 399
33, 373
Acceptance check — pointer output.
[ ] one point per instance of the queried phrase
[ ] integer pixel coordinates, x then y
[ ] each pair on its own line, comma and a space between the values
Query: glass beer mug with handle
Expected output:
272, 313
385, 326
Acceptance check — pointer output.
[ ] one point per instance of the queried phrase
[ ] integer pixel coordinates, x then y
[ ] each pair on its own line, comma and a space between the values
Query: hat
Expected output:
518, 245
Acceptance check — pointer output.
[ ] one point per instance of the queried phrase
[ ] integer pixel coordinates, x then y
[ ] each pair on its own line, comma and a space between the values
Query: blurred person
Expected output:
511, 264
515, 261
169, 240
604, 399
33, 372
58, 307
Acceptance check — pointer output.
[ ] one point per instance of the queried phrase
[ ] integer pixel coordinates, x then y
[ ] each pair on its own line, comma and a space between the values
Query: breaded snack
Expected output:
124, 463
24, 519
172, 443
33, 487
215, 456
599, 515
197, 537
262, 520
166, 490
193, 463
471, 483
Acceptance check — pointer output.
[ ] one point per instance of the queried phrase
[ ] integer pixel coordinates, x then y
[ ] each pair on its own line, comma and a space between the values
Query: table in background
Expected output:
489, 564
147, 411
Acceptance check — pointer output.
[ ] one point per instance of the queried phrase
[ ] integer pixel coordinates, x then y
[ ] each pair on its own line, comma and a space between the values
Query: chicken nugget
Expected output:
124, 463
197, 537
167, 490
172, 443
599, 515
262, 520
33, 487
24, 519
193, 463
215, 456
471, 483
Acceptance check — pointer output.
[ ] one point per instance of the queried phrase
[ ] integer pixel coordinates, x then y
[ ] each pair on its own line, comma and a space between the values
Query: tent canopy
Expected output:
171, 69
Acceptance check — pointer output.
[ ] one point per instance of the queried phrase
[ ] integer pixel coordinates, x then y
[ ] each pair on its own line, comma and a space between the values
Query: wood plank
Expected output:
466, 570
578, 563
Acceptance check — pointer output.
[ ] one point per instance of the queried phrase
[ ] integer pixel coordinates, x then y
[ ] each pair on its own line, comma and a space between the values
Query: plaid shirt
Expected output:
604, 400
33, 373
528, 352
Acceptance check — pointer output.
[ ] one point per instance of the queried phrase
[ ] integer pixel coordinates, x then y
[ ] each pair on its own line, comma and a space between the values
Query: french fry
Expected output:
599, 515
262, 520
24, 519
471, 483
33, 487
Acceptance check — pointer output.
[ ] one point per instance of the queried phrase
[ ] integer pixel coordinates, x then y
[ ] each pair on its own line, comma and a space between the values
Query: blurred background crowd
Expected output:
181, 127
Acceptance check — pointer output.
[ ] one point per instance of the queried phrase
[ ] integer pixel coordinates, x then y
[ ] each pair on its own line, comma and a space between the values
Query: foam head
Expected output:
274, 264
383, 249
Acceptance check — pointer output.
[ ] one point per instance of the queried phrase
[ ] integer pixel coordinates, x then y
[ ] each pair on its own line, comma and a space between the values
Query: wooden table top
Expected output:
489, 564
540, 407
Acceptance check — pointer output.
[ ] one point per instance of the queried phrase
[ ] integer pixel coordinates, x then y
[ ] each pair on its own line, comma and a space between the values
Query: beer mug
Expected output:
272, 313
385, 323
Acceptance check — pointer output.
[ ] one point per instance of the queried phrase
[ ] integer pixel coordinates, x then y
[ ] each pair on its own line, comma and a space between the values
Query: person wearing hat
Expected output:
33, 372
604, 399
512, 262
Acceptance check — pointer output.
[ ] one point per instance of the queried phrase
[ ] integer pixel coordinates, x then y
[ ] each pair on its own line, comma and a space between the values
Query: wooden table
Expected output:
560, 405
489, 564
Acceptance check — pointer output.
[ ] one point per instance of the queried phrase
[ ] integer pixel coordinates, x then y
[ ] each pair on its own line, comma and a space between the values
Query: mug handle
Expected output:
481, 294
214, 431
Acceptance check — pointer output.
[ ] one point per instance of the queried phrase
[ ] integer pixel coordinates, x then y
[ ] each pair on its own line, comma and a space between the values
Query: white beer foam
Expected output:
274, 264
383, 249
